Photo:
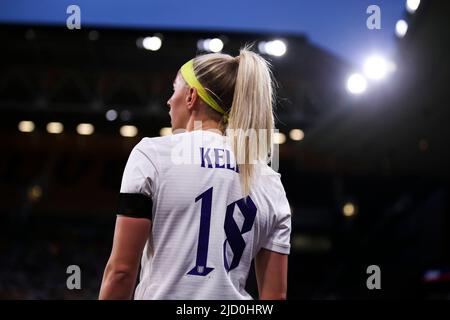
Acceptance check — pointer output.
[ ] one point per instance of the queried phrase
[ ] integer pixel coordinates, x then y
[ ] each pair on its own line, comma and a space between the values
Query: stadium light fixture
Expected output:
26, 126
412, 5
296, 134
275, 48
128, 131
210, 45
55, 127
152, 43
401, 27
349, 209
111, 115
165, 131
356, 84
279, 138
85, 129
376, 67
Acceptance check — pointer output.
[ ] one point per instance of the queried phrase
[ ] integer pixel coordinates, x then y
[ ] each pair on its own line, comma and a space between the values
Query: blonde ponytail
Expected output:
243, 87
251, 120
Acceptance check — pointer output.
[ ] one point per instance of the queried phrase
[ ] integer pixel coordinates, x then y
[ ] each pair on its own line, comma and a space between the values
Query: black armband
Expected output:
135, 205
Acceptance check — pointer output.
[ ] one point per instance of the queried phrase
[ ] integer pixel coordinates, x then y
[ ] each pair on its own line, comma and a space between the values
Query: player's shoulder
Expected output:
152, 144
265, 174
150, 148
153, 141
267, 179
162, 147
186, 138
264, 170
267, 189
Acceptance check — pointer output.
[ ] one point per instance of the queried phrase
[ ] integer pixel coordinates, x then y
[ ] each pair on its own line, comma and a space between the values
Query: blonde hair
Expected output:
243, 86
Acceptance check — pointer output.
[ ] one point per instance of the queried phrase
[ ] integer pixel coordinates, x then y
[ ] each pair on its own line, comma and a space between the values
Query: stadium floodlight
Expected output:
128, 131
215, 45
356, 84
210, 45
111, 115
125, 115
165, 131
34, 193
296, 134
349, 210
93, 35
85, 129
26, 126
279, 138
152, 43
55, 127
376, 67
401, 27
412, 5
275, 48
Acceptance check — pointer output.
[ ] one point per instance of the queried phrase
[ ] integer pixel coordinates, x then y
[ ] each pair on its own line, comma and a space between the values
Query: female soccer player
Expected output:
197, 207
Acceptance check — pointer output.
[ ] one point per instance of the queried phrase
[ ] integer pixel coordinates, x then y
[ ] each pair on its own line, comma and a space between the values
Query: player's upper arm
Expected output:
271, 274
120, 274
271, 262
130, 236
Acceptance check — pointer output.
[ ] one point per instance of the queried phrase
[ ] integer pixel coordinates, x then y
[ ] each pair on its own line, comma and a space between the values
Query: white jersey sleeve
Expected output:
280, 231
139, 182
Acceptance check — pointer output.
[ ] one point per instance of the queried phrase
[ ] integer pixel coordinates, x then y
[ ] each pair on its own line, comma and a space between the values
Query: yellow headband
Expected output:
187, 71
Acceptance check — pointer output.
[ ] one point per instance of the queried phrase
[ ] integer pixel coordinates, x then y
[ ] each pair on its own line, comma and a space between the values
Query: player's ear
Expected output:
191, 97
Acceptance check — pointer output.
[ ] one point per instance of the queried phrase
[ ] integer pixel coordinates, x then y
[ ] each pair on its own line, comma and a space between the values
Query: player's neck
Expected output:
202, 124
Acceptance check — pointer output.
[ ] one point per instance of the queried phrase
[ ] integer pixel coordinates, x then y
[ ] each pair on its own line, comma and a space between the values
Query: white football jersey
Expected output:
204, 233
